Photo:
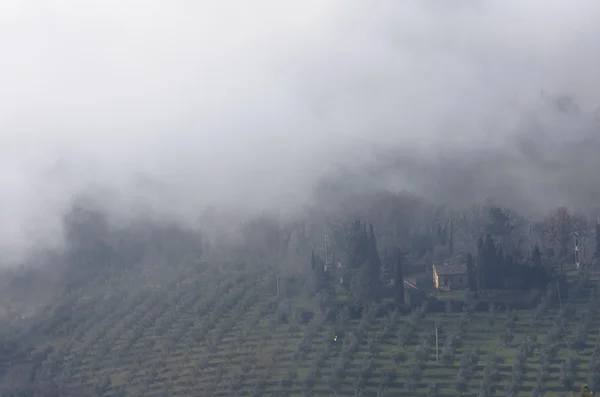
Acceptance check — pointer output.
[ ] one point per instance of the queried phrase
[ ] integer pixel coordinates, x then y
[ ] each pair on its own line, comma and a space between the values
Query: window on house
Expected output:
460, 279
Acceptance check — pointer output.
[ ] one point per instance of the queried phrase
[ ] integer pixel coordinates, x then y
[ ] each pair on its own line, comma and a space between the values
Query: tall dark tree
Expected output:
451, 236
358, 245
319, 274
361, 291
471, 275
479, 264
559, 226
489, 268
536, 257
442, 234
388, 259
597, 237
399, 279
499, 224
357, 255
500, 257
363, 271
374, 262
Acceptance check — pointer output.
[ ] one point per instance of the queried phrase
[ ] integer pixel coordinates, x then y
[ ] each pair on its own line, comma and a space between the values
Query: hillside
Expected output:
299, 199
225, 333
151, 308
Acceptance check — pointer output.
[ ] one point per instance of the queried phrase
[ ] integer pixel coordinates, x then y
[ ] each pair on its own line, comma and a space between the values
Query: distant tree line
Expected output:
361, 271
391, 233
497, 269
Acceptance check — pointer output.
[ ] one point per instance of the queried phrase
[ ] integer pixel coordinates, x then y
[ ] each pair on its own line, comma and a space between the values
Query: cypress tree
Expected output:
536, 256
399, 279
480, 263
359, 270
358, 251
471, 277
488, 263
374, 262
318, 273
597, 236
361, 287
451, 237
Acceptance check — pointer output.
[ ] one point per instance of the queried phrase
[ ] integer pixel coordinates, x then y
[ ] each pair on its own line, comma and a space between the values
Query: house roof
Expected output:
410, 285
450, 268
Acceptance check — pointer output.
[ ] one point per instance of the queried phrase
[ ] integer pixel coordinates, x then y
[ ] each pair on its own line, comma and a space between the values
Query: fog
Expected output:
251, 105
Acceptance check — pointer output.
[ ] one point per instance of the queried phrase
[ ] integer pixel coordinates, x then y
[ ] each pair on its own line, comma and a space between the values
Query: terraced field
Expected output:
228, 334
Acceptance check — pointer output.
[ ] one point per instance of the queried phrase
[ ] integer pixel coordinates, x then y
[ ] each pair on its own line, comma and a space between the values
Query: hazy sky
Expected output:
251, 102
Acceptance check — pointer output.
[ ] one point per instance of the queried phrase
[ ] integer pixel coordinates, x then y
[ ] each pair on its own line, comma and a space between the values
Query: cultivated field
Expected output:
228, 335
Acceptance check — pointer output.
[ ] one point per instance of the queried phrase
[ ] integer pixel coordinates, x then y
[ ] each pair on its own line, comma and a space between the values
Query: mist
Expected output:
250, 106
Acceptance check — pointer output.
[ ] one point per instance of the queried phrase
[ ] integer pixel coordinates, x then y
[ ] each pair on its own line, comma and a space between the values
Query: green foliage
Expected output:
399, 279
536, 256
217, 327
471, 273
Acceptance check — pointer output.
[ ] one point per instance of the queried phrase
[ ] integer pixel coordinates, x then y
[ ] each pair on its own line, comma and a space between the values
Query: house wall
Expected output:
454, 281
